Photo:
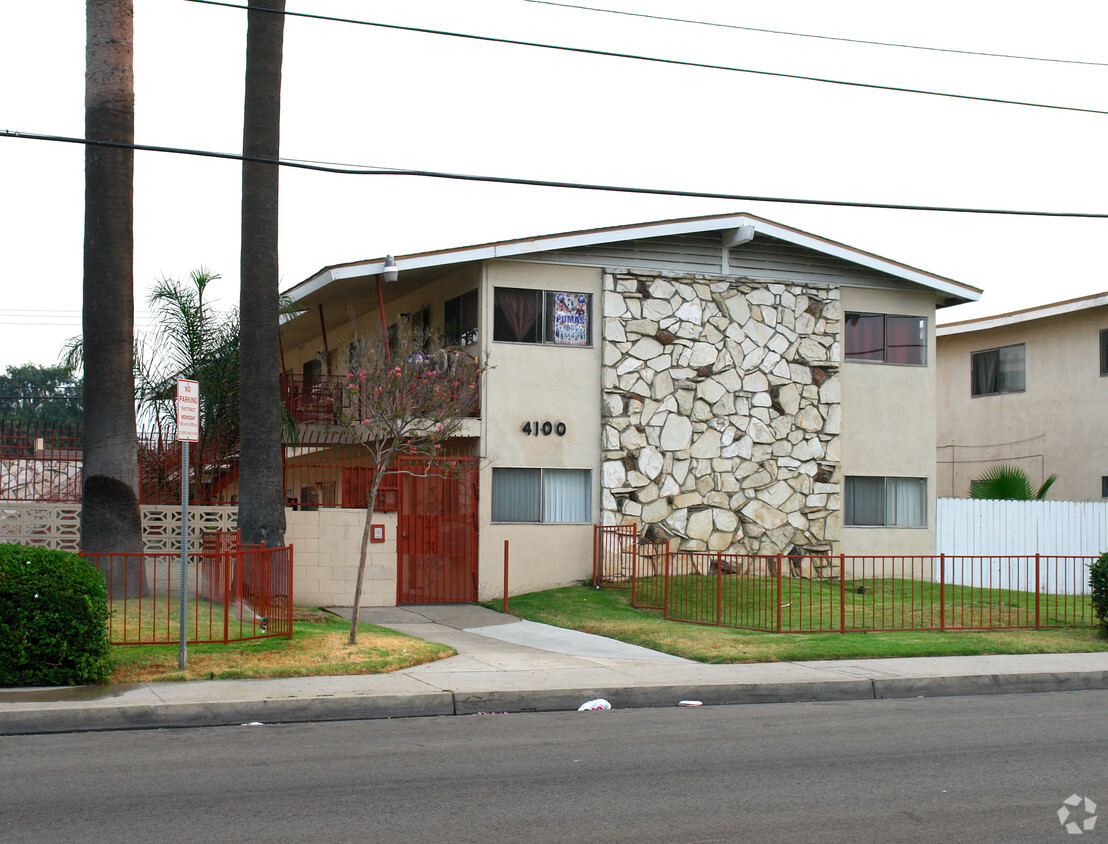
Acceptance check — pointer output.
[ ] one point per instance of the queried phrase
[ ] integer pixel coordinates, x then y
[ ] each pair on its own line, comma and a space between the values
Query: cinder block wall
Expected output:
326, 544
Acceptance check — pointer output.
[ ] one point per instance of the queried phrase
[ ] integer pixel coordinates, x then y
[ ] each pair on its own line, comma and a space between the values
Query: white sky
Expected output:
368, 96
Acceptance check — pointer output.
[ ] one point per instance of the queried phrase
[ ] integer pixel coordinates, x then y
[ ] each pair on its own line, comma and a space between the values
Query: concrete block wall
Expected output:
326, 544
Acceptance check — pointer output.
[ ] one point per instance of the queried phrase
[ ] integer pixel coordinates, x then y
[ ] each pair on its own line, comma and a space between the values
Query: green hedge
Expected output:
1098, 585
53, 619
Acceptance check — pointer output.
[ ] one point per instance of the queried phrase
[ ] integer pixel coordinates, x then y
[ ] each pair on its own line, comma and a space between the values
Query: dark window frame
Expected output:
850, 516
536, 328
541, 502
883, 354
977, 389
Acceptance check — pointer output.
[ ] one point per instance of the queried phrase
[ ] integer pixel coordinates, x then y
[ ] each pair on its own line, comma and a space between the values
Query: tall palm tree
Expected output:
110, 517
261, 484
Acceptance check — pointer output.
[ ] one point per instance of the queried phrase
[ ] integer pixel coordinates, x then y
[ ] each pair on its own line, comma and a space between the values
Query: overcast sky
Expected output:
369, 96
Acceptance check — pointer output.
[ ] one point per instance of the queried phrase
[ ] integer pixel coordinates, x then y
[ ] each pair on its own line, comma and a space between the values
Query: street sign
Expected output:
188, 410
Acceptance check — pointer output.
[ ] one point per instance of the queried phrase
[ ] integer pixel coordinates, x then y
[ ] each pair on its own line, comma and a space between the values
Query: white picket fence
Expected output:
1060, 531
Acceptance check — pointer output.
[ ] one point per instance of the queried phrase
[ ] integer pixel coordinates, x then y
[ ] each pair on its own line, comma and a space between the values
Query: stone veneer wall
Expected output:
721, 411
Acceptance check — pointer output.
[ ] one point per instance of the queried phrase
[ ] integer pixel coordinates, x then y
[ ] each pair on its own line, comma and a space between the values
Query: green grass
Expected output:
316, 648
870, 604
608, 612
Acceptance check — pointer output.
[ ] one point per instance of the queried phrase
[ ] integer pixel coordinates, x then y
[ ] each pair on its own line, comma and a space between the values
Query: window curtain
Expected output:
1011, 369
906, 502
865, 337
516, 495
567, 495
906, 340
984, 373
517, 312
865, 501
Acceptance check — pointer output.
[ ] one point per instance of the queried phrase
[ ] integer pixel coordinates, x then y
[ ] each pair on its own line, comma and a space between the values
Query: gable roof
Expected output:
1081, 303
523, 247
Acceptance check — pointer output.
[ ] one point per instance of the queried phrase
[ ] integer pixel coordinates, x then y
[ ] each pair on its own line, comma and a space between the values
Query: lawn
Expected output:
318, 646
608, 612
864, 604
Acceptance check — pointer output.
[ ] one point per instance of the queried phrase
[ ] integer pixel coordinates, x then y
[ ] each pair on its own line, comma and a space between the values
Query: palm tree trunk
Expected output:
261, 484
110, 517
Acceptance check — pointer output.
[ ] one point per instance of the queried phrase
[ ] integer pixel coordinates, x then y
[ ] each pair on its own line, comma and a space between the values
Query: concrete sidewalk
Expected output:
507, 665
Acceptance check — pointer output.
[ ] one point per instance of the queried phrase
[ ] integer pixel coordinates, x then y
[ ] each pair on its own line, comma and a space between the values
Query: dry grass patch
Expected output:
316, 648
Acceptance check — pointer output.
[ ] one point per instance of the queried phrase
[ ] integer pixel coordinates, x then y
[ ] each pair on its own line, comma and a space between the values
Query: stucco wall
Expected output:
888, 424
1054, 426
529, 382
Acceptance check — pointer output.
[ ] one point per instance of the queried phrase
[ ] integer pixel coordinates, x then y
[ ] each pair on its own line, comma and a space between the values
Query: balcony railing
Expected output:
316, 399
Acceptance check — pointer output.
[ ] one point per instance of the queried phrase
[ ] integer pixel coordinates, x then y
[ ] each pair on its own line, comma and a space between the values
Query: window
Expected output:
460, 320
561, 318
885, 338
1104, 351
885, 502
1104, 486
542, 495
998, 371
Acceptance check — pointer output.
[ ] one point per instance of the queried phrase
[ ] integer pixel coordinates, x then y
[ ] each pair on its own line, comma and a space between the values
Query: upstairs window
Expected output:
1001, 370
560, 318
886, 338
1104, 351
460, 320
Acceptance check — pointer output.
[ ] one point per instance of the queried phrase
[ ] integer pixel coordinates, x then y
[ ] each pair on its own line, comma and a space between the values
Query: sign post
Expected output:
188, 431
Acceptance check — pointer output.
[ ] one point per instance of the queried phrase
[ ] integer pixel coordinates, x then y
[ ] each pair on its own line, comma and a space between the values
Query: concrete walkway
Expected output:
507, 665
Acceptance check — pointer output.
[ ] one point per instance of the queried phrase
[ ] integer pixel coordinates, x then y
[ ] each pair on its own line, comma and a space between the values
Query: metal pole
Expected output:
182, 652
505, 575
942, 591
1037, 589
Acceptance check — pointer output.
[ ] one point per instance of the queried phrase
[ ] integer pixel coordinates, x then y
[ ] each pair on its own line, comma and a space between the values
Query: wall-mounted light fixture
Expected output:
390, 271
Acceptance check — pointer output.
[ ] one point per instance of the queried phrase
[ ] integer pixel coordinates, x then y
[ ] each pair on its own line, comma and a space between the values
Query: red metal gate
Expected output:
436, 544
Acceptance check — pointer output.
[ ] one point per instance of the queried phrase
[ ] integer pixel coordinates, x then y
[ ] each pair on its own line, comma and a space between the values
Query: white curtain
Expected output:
567, 495
906, 502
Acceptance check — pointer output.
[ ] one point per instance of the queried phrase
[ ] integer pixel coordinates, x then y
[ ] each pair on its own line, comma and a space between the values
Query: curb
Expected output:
427, 704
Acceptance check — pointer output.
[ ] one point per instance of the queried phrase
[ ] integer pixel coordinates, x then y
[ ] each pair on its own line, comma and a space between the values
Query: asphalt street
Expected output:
985, 768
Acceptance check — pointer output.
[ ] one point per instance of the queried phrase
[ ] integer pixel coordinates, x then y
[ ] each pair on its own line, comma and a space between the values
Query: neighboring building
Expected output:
727, 382
1027, 388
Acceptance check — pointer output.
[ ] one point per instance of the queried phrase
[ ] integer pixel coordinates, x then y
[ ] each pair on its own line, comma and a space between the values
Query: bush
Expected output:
53, 619
1098, 584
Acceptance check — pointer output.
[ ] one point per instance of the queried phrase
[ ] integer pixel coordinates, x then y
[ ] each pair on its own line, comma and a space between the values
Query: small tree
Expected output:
1009, 483
404, 396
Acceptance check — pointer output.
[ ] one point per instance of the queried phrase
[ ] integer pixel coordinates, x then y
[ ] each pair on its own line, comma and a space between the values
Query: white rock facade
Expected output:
721, 411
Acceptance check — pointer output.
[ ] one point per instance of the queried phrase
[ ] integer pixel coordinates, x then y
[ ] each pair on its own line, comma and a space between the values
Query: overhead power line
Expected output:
355, 170
657, 59
817, 35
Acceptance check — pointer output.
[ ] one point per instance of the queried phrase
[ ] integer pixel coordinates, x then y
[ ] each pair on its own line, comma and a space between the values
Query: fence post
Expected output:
506, 574
942, 592
595, 559
1037, 581
227, 593
842, 593
719, 588
779, 592
288, 599
665, 600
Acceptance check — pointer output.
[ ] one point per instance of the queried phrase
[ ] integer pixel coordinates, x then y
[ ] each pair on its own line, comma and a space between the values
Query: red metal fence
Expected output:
323, 469
233, 593
846, 593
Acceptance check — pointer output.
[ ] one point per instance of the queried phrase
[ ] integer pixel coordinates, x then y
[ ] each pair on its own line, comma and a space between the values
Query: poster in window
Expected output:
571, 319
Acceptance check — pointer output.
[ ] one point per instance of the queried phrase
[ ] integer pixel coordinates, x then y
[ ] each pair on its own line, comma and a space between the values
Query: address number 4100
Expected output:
533, 429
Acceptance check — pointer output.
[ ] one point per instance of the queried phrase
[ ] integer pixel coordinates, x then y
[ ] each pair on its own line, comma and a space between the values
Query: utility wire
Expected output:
656, 59
353, 170
818, 36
